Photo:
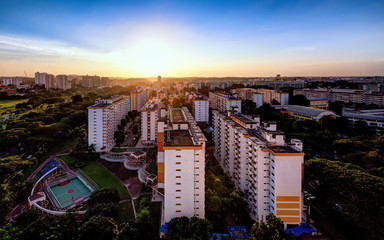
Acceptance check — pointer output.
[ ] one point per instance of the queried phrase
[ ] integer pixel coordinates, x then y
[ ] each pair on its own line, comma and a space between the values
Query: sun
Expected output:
151, 58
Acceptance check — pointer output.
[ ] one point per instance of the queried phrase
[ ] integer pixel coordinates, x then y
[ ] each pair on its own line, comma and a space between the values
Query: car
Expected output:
29, 156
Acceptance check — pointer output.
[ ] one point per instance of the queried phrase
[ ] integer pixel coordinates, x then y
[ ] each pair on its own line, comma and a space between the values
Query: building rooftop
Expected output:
372, 114
178, 138
244, 119
177, 115
308, 111
107, 102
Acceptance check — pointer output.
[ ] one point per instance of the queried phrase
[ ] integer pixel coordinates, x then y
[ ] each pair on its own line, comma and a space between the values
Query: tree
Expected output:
123, 122
299, 99
99, 227
185, 228
9, 165
77, 99
272, 229
275, 102
104, 195
119, 137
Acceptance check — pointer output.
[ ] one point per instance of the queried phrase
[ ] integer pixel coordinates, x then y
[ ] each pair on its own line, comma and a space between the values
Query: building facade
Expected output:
103, 118
181, 165
224, 102
62, 82
138, 99
267, 169
149, 116
49, 80
91, 81
39, 78
200, 106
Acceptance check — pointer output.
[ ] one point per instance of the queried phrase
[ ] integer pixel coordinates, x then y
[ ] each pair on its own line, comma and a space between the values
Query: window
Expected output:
178, 211
178, 176
178, 197
178, 162
178, 190
178, 156
178, 170
178, 183
178, 204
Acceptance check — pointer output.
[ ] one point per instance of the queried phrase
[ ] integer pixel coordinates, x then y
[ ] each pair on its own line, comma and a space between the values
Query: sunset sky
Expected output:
192, 38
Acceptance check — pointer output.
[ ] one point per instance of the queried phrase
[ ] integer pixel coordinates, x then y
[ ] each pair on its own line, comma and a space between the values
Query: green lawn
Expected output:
125, 212
7, 103
104, 178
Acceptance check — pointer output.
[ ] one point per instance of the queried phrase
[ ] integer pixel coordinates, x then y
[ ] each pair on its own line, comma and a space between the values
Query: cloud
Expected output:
15, 47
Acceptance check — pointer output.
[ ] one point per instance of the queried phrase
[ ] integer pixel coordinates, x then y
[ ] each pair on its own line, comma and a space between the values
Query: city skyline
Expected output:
169, 38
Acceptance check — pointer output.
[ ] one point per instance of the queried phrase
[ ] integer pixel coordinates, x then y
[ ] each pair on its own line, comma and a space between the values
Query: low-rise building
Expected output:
301, 112
320, 103
373, 117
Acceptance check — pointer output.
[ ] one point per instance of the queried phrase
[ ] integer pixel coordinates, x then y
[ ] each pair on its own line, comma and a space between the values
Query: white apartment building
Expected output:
181, 165
39, 78
262, 165
103, 118
138, 99
149, 116
269, 95
49, 80
249, 94
62, 82
200, 106
224, 102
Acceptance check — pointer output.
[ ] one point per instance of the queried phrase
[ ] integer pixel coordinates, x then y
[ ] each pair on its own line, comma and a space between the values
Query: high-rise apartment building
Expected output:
91, 81
181, 165
268, 170
224, 102
104, 81
200, 106
39, 78
149, 116
62, 82
49, 80
138, 99
103, 118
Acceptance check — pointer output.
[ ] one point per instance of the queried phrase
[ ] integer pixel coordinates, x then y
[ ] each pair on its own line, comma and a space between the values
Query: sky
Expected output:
206, 38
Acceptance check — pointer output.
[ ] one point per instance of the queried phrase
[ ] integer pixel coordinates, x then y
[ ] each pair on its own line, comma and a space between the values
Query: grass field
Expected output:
8, 103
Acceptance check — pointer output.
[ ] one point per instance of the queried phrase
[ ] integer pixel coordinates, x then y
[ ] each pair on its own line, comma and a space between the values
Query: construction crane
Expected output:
25, 74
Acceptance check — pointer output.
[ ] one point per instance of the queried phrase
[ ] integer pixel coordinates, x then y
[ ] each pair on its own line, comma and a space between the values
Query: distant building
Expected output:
344, 95
159, 79
16, 81
91, 81
270, 95
200, 106
62, 82
224, 102
103, 118
162, 94
181, 165
49, 80
39, 78
373, 117
301, 112
320, 103
104, 81
249, 94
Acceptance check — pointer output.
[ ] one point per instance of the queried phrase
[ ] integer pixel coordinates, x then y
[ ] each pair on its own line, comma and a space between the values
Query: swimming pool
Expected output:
70, 192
